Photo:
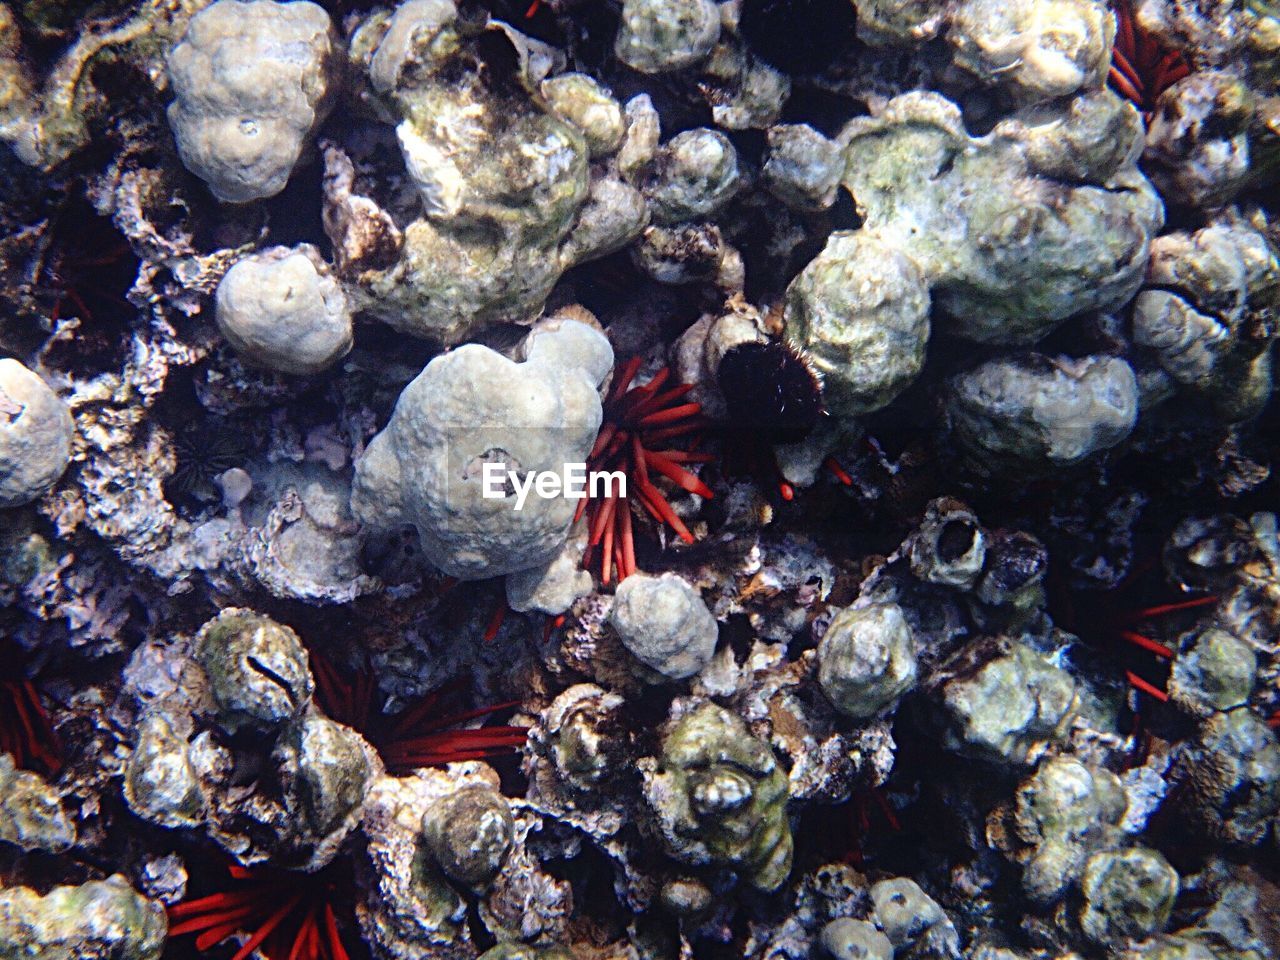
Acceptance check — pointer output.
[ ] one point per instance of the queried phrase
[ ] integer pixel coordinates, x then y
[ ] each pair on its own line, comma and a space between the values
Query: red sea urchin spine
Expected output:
1150, 689
1141, 69
26, 731
1143, 642
636, 420
418, 736
417, 741
264, 905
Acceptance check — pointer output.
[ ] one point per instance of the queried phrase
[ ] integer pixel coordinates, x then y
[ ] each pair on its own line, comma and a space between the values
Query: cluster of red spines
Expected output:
26, 731
638, 423
1141, 69
862, 804
285, 915
422, 735
1144, 642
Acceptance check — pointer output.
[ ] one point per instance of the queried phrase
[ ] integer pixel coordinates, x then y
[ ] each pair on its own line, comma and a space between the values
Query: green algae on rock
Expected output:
504, 183
98, 920
867, 659
720, 797
31, 815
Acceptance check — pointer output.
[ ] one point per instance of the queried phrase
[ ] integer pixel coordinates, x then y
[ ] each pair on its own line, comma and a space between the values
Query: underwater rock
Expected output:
281, 309
252, 83
324, 770
31, 816
522, 951
867, 659
743, 91
36, 431
160, 782
860, 310
1004, 702
912, 920
1198, 147
47, 123
950, 547
409, 904
1204, 317
257, 669
1231, 777
802, 168
849, 939
1038, 49
577, 98
469, 833
720, 797
471, 407
1065, 812
579, 734
238, 697
552, 587
1009, 238
691, 176
507, 199
98, 920
657, 36
1128, 895
664, 623
688, 253
407, 908
1040, 412
1216, 671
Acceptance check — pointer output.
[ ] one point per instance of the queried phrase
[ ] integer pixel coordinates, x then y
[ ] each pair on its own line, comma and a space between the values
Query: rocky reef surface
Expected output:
939, 618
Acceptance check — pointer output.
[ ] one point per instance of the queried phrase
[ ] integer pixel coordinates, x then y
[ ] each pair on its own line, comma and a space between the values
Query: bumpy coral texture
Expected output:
472, 407
665, 624
507, 200
282, 309
720, 797
252, 83
36, 430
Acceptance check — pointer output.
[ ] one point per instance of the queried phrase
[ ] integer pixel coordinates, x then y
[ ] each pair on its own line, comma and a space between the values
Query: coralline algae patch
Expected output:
931, 609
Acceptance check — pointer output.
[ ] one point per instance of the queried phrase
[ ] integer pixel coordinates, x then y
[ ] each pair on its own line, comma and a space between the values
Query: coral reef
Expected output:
639, 479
